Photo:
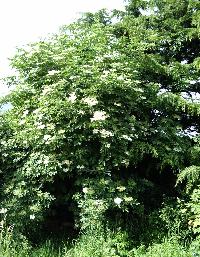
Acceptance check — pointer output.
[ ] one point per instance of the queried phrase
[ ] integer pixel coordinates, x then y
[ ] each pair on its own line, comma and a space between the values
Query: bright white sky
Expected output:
24, 21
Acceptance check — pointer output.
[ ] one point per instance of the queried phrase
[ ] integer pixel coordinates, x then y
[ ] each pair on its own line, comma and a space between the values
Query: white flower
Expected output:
99, 59
107, 145
162, 91
106, 133
41, 126
121, 77
80, 167
98, 202
32, 217
53, 72
106, 73
47, 137
81, 112
39, 161
36, 111
25, 113
126, 162
121, 188
128, 199
72, 97
72, 77
46, 90
3, 210
99, 115
184, 62
61, 131
95, 131
51, 126
46, 161
117, 200
127, 137
192, 82
90, 101
22, 122
67, 162
85, 190
118, 104
57, 57
40, 116
107, 56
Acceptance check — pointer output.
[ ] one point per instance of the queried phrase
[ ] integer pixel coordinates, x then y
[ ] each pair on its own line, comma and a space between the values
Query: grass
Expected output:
94, 244
169, 248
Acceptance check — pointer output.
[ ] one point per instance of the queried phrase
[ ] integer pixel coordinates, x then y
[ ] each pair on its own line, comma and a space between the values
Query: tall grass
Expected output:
11, 246
93, 244
169, 248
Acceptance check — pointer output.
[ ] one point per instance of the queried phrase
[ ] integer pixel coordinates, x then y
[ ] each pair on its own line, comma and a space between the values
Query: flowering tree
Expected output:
98, 111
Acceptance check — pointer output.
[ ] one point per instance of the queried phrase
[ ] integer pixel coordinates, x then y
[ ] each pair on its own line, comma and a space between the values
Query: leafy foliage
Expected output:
104, 116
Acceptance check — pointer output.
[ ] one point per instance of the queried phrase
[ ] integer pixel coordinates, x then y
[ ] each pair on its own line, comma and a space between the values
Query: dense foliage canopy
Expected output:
105, 117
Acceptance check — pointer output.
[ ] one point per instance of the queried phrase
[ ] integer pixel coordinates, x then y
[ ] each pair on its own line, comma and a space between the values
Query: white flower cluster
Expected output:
105, 133
47, 139
36, 111
21, 122
80, 167
85, 190
121, 77
99, 115
121, 188
162, 91
44, 160
72, 97
105, 74
107, 145
25, 113
3, 142
51, 126
81, 112
99, 202
53, 72
126, 162
40, 125
118, 200
46, 90
118, 104
58, 57
184, 62
32, 217
3, 210
91, 101
128, 199
61, 131
126, 137
192, 82
67, 162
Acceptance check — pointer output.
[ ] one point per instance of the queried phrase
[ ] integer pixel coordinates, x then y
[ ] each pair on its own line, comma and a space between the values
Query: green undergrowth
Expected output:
94, 243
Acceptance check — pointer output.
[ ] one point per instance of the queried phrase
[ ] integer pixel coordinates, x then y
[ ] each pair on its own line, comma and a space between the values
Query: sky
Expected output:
25, 21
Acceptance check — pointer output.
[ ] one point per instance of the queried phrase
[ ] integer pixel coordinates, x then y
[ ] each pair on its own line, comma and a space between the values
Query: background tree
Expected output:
170, 32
